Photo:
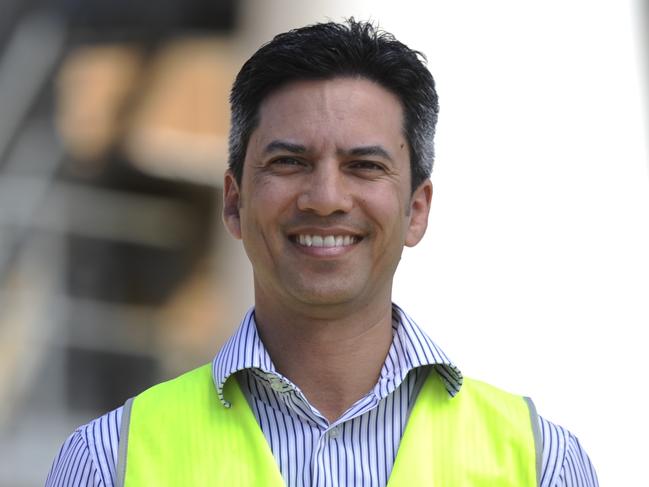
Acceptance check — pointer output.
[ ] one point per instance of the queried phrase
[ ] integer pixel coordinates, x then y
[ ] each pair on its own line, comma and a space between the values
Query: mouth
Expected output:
325, 241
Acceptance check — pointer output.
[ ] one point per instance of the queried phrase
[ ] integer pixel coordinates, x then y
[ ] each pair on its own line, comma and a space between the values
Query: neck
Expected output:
334, 358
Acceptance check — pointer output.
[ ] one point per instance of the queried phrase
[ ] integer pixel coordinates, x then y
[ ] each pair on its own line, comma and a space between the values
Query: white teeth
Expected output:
304, 240
326, 240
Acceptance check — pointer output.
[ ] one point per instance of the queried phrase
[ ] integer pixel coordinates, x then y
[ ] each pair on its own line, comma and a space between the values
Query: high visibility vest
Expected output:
178, 433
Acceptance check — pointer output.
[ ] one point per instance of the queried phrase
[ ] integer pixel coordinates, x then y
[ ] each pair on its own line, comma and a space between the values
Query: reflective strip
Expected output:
123, 443
538, 441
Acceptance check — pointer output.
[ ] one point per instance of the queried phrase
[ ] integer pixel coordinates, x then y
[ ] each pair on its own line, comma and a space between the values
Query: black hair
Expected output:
330, 50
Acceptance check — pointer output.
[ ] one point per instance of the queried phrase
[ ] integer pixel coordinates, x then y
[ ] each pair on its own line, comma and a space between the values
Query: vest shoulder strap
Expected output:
481, 437
182, 423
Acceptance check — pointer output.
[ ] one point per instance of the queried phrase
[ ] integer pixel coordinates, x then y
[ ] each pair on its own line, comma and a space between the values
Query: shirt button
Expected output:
334, 432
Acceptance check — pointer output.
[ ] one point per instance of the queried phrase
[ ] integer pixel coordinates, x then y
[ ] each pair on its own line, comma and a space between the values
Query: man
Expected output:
326, 382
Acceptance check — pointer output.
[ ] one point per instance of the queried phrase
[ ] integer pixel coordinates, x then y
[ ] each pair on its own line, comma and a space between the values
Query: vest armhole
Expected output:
538, 441
123, 443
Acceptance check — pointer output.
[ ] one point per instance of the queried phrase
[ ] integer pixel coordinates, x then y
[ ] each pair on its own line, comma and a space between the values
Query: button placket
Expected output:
335, 432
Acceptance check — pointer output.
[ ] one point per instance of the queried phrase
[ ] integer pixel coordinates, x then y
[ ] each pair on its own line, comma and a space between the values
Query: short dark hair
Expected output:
330, 50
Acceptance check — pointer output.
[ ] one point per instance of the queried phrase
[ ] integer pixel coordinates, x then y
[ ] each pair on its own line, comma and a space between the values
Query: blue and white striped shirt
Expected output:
358, 449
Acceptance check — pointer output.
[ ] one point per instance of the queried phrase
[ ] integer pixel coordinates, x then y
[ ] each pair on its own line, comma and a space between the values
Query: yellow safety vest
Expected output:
178, 433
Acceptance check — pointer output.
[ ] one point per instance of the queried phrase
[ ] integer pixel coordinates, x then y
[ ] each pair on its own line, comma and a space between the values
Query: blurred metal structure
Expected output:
105, 243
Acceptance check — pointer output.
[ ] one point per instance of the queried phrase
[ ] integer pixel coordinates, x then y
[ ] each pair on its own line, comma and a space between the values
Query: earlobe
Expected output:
231, 204
420, 202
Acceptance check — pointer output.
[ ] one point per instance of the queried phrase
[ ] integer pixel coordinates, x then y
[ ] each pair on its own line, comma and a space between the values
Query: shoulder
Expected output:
88, 456
200, 377
564, 463
177, 396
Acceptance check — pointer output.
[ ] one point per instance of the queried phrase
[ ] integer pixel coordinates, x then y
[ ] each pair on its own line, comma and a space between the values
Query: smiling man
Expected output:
326, 382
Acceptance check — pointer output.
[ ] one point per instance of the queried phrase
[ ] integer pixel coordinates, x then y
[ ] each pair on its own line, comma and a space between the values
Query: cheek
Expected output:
272, 189
389, 213
265, 207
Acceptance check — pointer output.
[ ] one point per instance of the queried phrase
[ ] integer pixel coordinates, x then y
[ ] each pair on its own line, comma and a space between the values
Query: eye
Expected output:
368, 166
286, 165
286, 161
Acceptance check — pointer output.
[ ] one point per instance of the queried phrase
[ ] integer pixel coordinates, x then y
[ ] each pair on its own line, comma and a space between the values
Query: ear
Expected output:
419, 210
231, 205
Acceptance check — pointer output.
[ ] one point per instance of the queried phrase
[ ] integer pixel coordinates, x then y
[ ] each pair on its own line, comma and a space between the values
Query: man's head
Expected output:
331, 50
322, 190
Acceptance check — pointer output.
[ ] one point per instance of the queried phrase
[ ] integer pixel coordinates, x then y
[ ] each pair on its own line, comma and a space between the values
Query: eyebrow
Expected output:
369, 150
282, 145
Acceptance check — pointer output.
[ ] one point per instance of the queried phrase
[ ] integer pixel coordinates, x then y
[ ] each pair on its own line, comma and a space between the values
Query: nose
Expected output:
325, 191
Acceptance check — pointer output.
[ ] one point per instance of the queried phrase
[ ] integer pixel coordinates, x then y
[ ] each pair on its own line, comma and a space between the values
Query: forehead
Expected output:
341, 111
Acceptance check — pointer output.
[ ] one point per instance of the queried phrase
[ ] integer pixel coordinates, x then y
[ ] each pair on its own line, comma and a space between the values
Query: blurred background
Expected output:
116, 273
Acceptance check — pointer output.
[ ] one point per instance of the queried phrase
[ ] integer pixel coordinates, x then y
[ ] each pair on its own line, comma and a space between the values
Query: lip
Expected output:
325, 231
324, 252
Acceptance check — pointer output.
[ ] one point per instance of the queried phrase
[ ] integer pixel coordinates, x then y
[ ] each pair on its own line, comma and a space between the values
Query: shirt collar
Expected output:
411, 348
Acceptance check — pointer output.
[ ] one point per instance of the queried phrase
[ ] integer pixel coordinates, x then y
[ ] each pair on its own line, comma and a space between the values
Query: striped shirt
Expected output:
358, 449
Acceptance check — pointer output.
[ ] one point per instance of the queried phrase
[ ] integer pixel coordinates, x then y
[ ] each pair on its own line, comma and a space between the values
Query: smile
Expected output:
329, 241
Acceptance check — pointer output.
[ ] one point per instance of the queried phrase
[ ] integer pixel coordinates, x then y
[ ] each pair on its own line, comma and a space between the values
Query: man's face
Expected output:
324, 208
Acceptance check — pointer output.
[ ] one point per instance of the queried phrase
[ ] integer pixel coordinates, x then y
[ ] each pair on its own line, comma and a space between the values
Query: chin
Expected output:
329, 296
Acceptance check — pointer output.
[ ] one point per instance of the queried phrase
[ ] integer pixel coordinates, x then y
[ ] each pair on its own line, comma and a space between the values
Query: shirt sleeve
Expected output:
565, 463
73, 466
88, 457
